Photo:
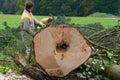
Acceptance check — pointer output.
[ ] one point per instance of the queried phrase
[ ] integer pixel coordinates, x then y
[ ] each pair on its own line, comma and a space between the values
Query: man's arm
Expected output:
38, 23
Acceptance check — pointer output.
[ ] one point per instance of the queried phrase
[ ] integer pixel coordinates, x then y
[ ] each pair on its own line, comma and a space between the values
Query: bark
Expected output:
1, 36
114, 71
35, 73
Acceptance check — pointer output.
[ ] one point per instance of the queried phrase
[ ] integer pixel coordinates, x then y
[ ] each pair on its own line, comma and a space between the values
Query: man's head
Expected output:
29, 6
50, 20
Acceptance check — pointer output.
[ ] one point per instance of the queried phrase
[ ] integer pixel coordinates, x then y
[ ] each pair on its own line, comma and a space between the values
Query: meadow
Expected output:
14, 20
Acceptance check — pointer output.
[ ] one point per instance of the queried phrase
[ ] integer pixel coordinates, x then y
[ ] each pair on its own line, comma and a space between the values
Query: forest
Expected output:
62, 7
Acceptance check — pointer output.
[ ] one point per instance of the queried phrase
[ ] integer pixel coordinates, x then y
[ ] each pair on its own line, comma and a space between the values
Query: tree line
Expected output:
62, 7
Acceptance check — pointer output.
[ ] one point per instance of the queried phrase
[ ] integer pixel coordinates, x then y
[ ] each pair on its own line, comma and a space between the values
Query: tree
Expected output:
37, 6
62, 7
9, 7
106, 6
1, 4
87, 6
20, 6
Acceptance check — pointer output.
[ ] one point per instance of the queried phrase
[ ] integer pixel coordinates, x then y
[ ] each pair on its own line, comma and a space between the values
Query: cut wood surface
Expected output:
60, 49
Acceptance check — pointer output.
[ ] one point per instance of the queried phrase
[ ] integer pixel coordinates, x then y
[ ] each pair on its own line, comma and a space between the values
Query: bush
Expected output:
10, 42
61, 20
98, 14
90, 29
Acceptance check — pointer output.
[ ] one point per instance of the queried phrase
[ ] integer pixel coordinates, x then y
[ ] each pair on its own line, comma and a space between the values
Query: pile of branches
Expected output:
101, 38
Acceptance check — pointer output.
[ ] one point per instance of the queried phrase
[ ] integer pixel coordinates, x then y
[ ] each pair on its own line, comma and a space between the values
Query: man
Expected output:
28, 23
27, 26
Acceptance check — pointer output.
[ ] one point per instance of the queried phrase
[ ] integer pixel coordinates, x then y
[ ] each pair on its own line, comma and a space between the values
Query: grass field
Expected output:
14, 20
106, 22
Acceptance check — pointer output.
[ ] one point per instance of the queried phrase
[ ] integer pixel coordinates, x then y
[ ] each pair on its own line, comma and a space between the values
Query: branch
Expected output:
1, 36
89, 28
105, 36
103, 47
6, 60
97, 33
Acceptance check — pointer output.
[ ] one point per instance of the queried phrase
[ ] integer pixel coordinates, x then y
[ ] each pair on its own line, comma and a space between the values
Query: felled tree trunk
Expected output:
114, 71
60, 49
33, 72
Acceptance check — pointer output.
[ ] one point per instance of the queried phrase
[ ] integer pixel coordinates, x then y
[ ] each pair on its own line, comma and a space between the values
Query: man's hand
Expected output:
42, 25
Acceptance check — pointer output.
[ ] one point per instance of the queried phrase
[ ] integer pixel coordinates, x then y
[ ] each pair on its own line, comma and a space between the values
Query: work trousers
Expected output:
27, 40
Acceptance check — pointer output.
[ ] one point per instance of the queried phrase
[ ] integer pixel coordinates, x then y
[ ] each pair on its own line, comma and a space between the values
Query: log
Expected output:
60, 49
114, 71
36, 74
33, 72
1, 36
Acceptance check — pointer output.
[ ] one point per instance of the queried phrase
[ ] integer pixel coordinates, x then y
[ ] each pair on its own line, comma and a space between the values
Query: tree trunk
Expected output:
60, 49
114, 71
35, 73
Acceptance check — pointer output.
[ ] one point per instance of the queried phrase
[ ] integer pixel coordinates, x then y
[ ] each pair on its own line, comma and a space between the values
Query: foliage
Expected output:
4, 68
118, 38
62, 7
57, 7
37, 9
111, 6
21, 3
12, 6
98, 14
90, 29
11, 38
10, 43
60, 20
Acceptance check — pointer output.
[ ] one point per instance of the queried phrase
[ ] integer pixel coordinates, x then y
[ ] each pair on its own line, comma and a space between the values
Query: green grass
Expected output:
106, 22
14, 20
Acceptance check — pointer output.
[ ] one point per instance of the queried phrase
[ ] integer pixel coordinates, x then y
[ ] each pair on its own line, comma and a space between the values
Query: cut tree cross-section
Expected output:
60, 49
